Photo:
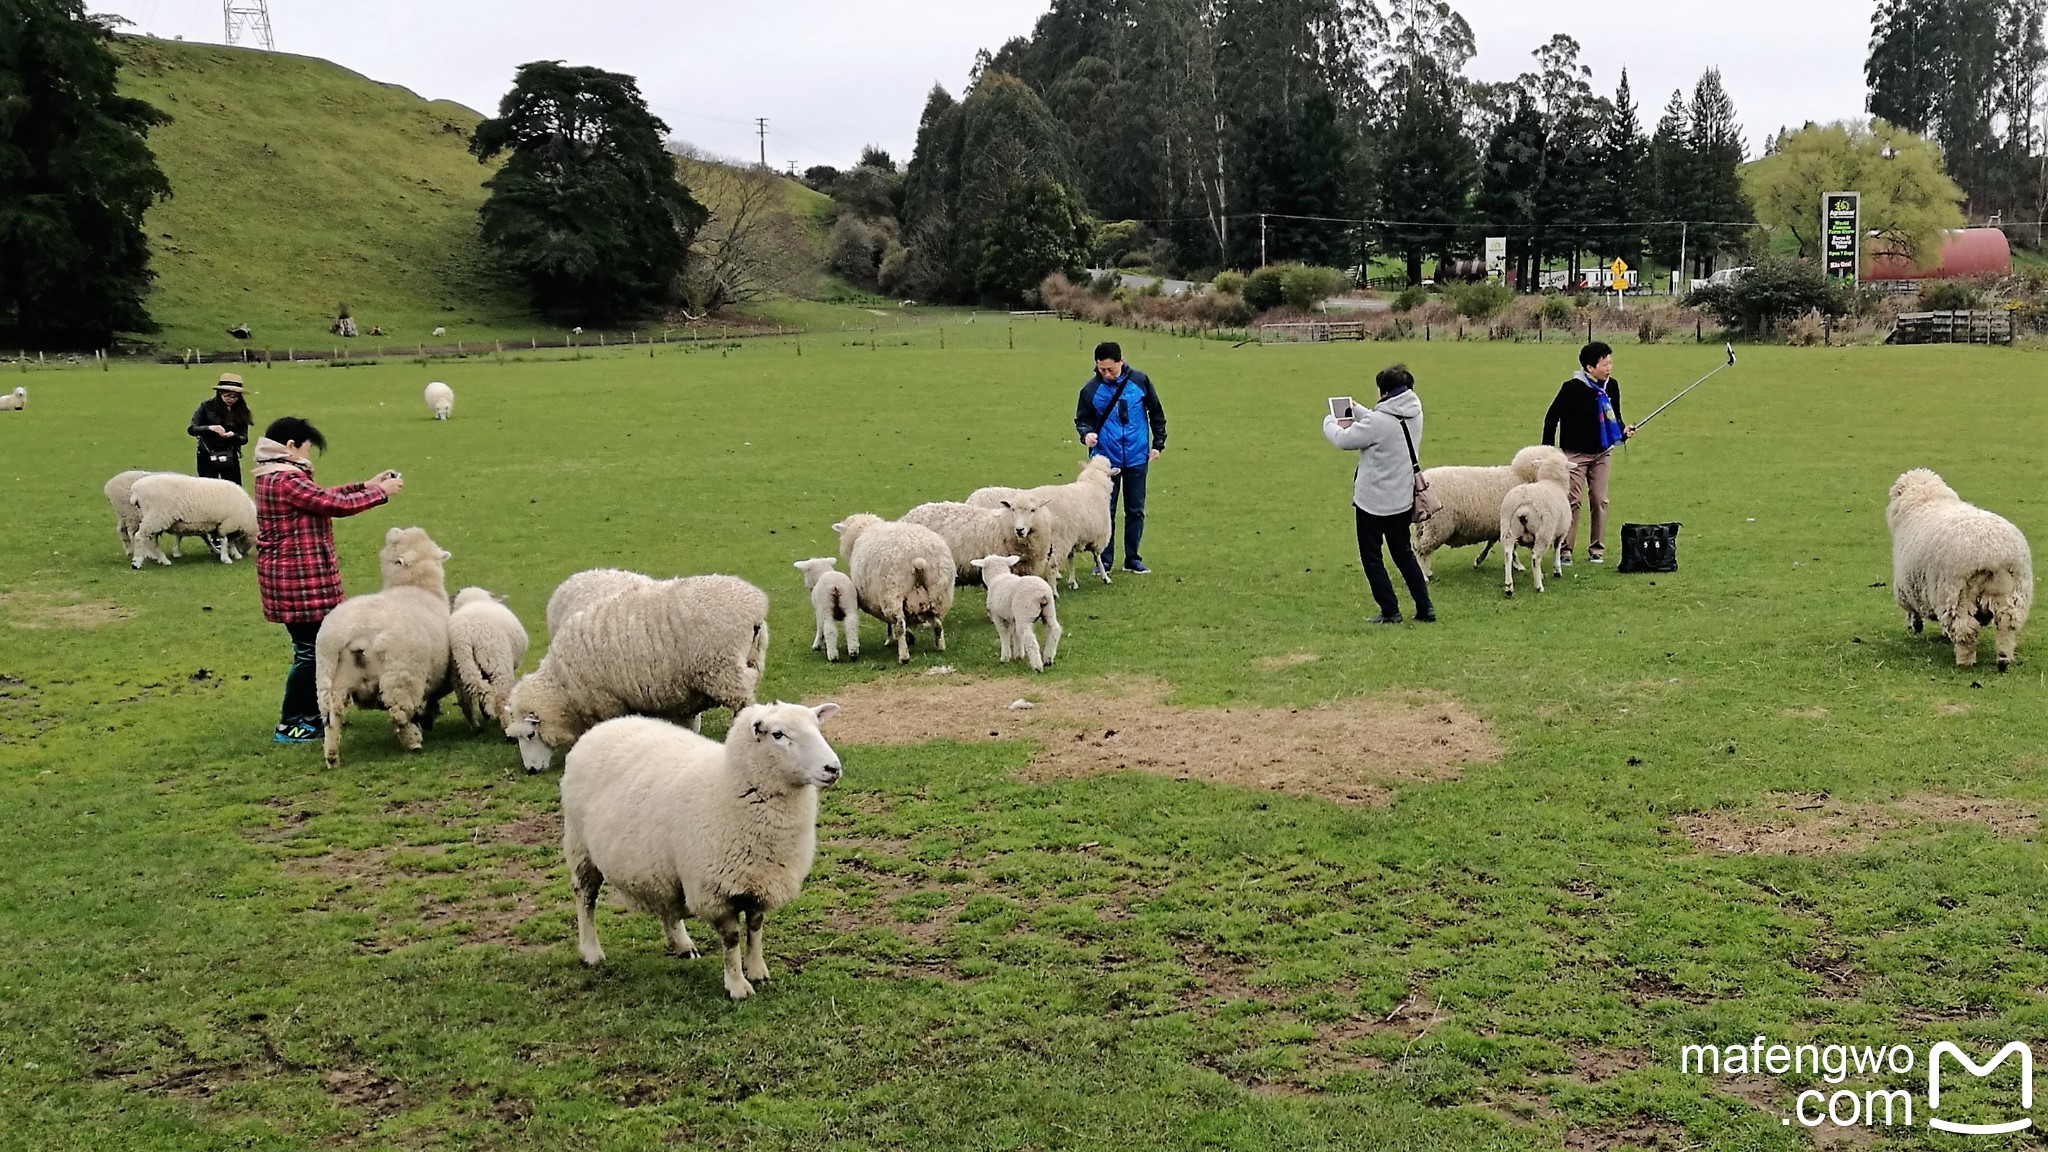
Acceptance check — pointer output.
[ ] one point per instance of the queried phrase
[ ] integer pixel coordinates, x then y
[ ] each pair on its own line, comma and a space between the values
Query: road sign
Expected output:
1841, 235
1496, 257
1618, 275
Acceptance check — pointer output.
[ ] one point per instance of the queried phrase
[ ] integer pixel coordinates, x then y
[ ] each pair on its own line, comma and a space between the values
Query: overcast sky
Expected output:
831, 75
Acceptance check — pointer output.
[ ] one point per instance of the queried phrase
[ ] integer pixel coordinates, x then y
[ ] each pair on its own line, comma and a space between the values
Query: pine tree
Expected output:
1715, 146
1672, 186
1622, 192
1427, 168
1510, 176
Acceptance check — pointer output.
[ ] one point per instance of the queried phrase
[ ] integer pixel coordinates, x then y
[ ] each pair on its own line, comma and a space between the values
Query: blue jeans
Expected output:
301, 698
1130, 485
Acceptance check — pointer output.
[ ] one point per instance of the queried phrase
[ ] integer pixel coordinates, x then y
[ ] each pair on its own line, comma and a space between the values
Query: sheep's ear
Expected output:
839, 527
498, 598
802, 565
446, 555
1006, 504
825, 711
392, 536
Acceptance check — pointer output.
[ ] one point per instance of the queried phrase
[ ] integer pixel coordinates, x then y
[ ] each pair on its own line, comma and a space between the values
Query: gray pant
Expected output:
1589, 471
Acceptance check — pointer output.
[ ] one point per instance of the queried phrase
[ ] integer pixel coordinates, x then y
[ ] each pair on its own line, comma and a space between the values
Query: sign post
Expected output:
1496, 258
1841, 235
1617, 279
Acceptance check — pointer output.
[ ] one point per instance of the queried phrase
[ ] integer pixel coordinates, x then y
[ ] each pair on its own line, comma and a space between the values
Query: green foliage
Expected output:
1557, 309
1115, 240
1427, 166
1228, 280
854, 250
1905, 194
1480, 300
1266, 288
868, 191
1949, 296
1307, 285
1040, 229
1778, 289
76, 176
587, 210
1412, 297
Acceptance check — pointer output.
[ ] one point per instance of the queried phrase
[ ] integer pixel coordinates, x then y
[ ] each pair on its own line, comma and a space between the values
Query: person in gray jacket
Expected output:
1383, 489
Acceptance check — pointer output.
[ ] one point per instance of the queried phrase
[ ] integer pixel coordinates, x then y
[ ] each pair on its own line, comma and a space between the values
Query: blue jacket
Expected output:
1128, 410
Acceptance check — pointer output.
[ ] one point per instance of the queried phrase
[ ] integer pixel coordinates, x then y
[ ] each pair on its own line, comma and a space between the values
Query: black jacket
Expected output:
1576, 415
214, 412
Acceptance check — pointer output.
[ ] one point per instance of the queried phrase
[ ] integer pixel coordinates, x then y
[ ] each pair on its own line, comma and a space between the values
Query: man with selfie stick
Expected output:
1585, 421
1119, 416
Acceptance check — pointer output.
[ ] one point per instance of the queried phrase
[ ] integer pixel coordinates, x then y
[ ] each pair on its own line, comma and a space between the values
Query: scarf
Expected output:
271, 457
1610, 424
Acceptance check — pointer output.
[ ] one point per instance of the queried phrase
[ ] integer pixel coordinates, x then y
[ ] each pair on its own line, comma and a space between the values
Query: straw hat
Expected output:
229, 382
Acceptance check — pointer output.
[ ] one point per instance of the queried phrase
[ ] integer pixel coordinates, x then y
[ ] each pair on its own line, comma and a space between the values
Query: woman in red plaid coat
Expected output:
296, 571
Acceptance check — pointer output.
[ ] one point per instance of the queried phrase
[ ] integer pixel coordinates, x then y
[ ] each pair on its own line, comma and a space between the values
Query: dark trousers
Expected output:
230, 469
1393, 530
301, 697
1130, 485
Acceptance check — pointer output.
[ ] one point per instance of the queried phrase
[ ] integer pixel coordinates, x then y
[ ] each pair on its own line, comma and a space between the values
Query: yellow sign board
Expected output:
1618, 275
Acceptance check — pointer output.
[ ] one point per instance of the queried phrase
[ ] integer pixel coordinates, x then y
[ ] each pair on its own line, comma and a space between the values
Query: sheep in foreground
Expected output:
1537, 514
440, 400
486, 642
1962, 566
190, 506
1471, 513
586, 588
684, 826
971, 530
902, 575
667, 648
1078, 516
1015, 603
833, 606
14, 401
388, 649
127, 517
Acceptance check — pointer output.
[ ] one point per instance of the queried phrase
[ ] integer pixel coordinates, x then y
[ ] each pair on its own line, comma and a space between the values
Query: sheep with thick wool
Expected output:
902, 575
14, 401
388, 649
971, 530
1070, 518
164, 502
586, 588
834, 606
683, 826
1537, 514
486, 642
1470, 514
1961, 566
440, 400
667, 648
128, 518
1015, 605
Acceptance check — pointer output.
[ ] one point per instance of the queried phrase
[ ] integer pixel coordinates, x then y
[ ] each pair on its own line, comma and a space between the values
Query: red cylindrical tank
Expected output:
1965, 252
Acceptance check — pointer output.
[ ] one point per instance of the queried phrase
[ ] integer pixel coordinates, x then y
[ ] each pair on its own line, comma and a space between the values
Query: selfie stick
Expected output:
1702, 380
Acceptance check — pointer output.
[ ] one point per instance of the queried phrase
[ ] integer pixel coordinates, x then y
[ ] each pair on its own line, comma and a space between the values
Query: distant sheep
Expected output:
684, 826
1471, 509
440, 331
1015, 604
1959, 565
127, 517
1537, 514
190, 506
14, 401
833, 606
902, 576
586, 588
486, 642
970, 531
440, 399
388, 649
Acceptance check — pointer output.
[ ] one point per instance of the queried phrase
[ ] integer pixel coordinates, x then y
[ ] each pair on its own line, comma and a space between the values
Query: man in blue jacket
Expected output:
1119, 416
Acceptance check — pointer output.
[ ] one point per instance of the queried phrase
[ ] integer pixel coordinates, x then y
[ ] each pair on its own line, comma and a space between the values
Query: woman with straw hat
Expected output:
221, 426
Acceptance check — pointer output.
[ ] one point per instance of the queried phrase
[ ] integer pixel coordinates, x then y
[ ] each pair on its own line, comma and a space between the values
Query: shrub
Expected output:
1480, 300
1307, 285
1778, 289
1806, 331
1650, 330
1104, 283
1413, 296
1266, 288
1229, 281
1114, 241
1557, 310
1949, 296
852, 250
894, 273
1220, 309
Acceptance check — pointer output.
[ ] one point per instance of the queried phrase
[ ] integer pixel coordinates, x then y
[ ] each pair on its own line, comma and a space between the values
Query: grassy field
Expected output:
1694, 808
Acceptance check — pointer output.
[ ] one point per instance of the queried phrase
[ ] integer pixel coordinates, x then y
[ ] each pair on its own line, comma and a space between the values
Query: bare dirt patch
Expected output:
370, 880
1816, 824
32, 611
1290, 660
1348, 752
1806, 713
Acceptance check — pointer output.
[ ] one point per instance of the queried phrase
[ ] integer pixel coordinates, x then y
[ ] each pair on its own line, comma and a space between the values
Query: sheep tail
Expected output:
838, 603
1987, 594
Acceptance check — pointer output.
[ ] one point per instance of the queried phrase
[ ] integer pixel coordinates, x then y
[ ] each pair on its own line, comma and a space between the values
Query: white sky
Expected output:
831, 75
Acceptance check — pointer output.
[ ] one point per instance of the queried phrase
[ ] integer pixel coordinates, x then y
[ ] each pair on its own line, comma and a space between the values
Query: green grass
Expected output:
213, 942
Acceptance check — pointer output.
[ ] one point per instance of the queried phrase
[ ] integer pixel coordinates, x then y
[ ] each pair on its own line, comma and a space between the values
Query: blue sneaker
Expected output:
1137, 566
296, 732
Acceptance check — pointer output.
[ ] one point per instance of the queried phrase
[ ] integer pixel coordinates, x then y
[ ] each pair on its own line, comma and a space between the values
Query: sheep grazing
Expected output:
440, 331
1471, 508
486, 642
833, 606
127, 517
902, 575
667, 648
970, 530
1537, 514
586, 588
388, 649
1015, 603
14, 401
1959, 565
190, 506
685, 826
440, 399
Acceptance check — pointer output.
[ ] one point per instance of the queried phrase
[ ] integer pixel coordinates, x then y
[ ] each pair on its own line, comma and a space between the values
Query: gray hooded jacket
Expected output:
1385, 484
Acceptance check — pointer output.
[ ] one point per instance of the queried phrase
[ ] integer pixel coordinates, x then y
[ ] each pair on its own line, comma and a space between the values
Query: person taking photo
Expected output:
1585, 421
221, 425
1386, 438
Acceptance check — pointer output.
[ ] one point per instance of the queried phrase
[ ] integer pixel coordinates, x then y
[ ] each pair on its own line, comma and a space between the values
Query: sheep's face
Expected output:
524, 730
410, 556
1022, 514
788, 733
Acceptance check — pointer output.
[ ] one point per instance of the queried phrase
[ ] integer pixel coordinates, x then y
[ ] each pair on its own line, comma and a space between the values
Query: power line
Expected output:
247, 18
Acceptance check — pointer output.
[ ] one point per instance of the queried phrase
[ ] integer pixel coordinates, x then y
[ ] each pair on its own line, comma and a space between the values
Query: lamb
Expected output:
127, 517
1471, 508
586, 588
1015, 603
1538, 514
682, 825
1965, 567
902, 576
486, 642
440, 399
14, 401
833, 606
190, 506
971, 530
388, 649
666, 648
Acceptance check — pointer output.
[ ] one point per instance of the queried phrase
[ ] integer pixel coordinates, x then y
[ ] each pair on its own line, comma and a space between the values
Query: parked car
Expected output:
1724, 276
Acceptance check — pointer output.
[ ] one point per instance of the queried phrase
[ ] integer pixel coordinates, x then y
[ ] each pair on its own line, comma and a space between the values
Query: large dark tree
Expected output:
1715, 144
587, 210
1673, 185
1426, 167
76, 176
1968, 73
1621, 196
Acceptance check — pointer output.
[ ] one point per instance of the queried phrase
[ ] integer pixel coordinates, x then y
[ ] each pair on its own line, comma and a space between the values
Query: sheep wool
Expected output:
1075, 518
486, 642
1015, 604
190, 506
970, 530
14, 401
1959, 565
1471, 508
683, 826
440, 399
668, 648
833, 606
902, 576
586, 588
128, 518
388, 649
1537, 514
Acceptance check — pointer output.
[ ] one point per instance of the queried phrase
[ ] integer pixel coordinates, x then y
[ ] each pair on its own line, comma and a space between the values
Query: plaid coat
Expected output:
296, 572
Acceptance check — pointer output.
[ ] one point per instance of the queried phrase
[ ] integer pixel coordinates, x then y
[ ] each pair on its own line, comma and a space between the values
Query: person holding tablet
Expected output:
1386, 439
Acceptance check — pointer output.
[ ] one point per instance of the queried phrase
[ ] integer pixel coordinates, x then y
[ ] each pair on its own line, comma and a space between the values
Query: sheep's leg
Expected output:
1556, 560
331, 746
1485, 550
852, 635
1027, 645
1053, 632
150, 546
1963, 631
177, 545
1536, 567
727, 924
1914, 622
1507, 564
939, 634
818, 637
678, 937
220, 547
585, 881
404, 698
901, 628
754, 967
1003, 634
2008, 639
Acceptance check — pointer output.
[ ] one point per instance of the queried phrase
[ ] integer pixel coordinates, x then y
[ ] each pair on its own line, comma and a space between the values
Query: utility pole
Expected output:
761, 130
1682, 271
246, 19
1262, 239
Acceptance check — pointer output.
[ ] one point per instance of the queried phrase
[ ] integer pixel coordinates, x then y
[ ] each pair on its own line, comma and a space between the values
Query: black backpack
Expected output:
1649, 548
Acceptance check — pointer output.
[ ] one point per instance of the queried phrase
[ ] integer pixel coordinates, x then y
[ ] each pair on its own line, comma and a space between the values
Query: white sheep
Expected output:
486, 642
683, 826
833, 606
667, 648
1537, 514
1471, 508
388, 649
440, 399
1072, 517
902, 575
14, 401
440, 331
1015, 603
127, 517
1962, 566
971, 530
190, 506
586, 588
